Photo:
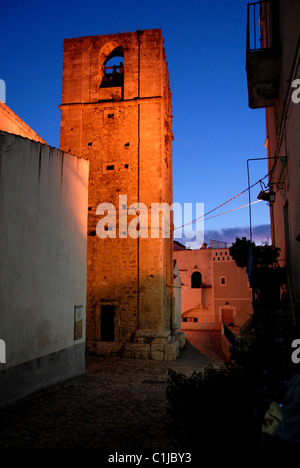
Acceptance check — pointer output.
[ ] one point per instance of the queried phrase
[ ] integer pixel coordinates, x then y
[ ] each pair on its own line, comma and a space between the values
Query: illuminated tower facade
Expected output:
116, 112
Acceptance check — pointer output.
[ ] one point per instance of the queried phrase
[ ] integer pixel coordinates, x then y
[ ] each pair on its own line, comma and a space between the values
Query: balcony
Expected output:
263, 56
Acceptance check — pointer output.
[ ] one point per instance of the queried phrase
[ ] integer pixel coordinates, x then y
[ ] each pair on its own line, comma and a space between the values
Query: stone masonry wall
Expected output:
126, 134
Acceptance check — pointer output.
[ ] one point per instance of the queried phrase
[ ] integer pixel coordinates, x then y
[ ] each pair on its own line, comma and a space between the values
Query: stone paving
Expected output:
118, 405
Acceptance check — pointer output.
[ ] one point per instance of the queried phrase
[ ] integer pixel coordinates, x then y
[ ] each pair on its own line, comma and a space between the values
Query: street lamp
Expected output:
267, 196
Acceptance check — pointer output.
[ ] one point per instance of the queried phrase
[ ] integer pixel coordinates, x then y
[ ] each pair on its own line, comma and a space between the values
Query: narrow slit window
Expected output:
110, 167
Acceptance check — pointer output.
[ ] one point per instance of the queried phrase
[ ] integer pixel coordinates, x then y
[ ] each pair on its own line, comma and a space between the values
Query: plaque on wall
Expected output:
78, 319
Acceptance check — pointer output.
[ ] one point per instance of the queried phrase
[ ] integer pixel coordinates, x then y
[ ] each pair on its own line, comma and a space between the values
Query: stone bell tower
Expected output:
116, 112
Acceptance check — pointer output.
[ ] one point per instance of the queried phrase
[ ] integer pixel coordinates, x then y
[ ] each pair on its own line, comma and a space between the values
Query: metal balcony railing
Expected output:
262, 30
263, 52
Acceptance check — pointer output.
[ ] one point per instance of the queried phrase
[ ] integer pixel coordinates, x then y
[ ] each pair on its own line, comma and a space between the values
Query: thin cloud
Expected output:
260, 233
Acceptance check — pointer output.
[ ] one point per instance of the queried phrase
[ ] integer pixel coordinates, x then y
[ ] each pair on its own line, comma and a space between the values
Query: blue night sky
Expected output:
215, 131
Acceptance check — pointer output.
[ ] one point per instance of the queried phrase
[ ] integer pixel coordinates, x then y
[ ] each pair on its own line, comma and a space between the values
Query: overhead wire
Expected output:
224, 203
234, 209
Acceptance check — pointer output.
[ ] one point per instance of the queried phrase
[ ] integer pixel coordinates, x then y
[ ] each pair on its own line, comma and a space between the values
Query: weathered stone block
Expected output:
110, 93
137, 351
158, 344
145, 340
171, 350
157, 355
153, 333
180, 337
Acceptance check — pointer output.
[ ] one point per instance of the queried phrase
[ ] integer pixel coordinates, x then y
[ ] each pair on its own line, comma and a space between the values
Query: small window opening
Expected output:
110, 167
110, 116
90, 143
196, 280
223, 280
126, 166
127, 144
190, 319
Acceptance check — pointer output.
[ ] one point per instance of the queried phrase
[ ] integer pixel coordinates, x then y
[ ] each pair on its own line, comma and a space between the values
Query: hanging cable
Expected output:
222, 204
234, 209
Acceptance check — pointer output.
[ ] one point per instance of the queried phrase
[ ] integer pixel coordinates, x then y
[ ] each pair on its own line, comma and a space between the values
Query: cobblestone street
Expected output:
118, 405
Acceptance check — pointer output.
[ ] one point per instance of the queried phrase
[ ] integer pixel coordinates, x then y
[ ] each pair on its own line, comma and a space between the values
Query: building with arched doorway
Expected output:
214, 290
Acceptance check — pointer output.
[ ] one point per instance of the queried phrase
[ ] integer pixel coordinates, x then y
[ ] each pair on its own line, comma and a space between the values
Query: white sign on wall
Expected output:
78, 322
2, 352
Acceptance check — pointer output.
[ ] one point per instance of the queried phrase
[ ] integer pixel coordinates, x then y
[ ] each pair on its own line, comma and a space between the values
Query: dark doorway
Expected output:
107, 326
196, 280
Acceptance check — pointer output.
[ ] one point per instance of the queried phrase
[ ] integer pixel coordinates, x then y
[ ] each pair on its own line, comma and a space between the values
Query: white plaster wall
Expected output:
202, 298
177, 294
43, 212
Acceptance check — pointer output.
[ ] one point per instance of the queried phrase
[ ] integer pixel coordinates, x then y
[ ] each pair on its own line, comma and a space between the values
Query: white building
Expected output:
43, 233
